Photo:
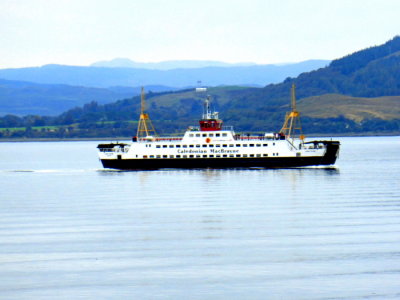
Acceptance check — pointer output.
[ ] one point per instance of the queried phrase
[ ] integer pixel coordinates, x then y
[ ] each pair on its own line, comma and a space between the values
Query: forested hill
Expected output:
371, 72
359, 93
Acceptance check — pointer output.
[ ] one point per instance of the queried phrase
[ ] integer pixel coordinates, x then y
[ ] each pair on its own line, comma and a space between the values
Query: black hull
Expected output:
221, 163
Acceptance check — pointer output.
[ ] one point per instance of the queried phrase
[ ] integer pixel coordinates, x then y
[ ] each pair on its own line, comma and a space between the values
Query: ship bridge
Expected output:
210, 120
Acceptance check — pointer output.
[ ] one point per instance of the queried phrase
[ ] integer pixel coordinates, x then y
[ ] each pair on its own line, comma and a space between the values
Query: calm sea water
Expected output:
71, 230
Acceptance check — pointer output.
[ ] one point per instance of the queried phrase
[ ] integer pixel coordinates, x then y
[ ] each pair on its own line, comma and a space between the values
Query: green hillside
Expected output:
352, 108
357, 94
174, 112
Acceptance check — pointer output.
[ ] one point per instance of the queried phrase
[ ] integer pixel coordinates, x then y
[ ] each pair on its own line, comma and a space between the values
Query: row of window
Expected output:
208, 134
208, 156
210, 145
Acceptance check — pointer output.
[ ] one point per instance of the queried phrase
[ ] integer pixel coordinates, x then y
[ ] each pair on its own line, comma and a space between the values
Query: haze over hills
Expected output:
105, 77
169, 65
24, 98
359, 93
52, 89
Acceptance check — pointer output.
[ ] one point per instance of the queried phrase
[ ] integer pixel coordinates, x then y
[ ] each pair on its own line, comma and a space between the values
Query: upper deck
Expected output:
193, 135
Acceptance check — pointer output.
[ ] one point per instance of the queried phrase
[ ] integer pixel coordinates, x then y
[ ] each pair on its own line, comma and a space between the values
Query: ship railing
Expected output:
161, 139
168, 139
223, 128
239, 137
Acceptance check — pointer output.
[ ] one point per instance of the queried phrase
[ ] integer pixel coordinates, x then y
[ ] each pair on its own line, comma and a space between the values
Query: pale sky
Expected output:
80, 32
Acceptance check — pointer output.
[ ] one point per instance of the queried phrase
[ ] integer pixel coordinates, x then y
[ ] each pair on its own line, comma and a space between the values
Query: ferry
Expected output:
212, 145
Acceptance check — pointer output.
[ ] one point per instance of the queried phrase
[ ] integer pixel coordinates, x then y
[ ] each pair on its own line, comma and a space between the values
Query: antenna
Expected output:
293, 97
207, 111
292, 119
145, 126
142, 102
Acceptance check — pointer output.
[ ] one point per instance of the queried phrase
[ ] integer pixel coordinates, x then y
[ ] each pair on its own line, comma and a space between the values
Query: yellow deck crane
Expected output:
292, 126
145, 126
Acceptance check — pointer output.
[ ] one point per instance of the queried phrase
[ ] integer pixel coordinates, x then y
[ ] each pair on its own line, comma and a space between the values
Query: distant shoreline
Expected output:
100, 139
6, 140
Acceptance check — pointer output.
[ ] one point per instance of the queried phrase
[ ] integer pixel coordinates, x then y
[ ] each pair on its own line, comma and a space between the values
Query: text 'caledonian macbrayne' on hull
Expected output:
213, 146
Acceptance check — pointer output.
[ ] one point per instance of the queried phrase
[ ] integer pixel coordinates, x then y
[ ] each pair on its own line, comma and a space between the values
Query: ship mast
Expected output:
207, 114
145, 126
292, 123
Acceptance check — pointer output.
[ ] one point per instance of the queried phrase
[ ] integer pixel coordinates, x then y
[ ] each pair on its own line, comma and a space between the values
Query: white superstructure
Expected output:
211, 145
216, 144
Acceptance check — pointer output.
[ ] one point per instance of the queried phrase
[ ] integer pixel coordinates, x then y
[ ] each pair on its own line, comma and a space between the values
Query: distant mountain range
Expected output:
53, 89
105, 77
168, 65
24, 98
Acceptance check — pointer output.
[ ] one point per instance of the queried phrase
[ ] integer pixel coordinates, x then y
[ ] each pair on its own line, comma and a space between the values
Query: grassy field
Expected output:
356, 109
55, 128
39, 128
